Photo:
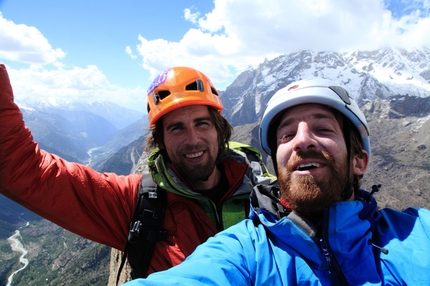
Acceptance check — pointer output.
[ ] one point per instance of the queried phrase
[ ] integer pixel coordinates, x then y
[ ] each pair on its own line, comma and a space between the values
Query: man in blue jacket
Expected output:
318, 227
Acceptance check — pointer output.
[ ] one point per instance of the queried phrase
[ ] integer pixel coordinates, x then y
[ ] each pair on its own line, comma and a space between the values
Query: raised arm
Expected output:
94, 205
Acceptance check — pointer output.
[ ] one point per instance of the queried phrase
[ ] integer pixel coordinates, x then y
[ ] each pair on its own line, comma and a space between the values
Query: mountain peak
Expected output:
367, 75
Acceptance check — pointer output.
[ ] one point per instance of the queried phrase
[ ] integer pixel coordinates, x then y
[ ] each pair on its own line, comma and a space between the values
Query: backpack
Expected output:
149, 212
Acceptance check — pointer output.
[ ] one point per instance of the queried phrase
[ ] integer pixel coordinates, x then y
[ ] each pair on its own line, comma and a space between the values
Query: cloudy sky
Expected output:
98, 49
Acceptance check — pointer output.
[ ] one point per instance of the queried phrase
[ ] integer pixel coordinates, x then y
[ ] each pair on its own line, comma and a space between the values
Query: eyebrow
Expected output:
314, 116
180, 123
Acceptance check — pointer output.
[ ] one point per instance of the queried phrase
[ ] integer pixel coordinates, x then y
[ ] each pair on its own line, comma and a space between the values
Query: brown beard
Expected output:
310, 195
198, 172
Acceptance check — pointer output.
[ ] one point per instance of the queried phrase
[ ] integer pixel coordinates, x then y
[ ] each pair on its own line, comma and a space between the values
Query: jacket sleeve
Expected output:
228, 258
93, 205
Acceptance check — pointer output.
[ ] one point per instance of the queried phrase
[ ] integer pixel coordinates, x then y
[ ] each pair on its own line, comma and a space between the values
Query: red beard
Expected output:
309, 195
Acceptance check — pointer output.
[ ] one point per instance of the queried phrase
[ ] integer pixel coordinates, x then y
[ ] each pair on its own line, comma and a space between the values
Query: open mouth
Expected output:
194, 155
308, 166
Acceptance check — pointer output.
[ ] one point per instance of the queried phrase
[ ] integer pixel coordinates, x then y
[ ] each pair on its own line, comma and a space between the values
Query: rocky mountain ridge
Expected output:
83, 132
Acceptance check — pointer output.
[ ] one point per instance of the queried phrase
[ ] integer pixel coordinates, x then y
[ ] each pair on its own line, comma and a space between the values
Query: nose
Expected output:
192, 136
304, 138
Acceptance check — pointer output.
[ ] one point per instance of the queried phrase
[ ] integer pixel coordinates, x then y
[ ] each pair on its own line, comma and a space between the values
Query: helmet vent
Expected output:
342, 93
197, 85
163, 94
214, 91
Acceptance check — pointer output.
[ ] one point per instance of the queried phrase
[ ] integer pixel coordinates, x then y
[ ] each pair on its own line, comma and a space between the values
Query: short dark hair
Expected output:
224, 130
356, 148
354, 142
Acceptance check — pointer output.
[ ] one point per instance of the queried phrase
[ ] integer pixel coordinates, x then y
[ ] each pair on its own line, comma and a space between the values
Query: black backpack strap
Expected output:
145, 228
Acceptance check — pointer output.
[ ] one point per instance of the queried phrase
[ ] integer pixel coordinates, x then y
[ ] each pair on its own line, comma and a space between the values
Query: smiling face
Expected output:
311, 158
191, 142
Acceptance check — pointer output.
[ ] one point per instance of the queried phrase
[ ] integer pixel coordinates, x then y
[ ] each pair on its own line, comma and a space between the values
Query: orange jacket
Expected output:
93, 205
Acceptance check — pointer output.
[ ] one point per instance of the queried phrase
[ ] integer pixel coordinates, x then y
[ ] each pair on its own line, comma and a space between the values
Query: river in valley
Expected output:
17, 246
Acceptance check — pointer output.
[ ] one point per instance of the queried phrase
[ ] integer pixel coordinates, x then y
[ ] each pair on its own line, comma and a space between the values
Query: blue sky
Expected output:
92, 50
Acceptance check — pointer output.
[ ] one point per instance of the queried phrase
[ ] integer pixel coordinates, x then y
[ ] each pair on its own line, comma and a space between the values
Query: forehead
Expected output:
306, 112
186, 113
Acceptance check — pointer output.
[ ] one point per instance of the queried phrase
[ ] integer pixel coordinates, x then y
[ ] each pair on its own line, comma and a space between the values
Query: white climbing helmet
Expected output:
320, 91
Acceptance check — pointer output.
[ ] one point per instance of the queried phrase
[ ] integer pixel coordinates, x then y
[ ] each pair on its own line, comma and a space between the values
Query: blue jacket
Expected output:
355, 244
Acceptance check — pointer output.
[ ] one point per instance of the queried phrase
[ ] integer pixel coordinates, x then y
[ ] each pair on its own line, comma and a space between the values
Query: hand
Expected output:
6, 93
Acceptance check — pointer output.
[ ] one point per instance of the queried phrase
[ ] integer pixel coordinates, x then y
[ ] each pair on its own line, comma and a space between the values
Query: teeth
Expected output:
194, 155
308, 165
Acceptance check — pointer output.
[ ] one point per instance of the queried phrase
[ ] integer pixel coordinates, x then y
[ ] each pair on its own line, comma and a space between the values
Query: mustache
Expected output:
195, 147
322, 156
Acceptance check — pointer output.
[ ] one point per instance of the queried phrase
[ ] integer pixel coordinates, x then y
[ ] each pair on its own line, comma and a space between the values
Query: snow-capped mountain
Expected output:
366, 74
119, 116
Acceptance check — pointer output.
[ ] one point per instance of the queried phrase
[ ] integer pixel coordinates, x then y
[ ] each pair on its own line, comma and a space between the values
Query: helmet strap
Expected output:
347, 191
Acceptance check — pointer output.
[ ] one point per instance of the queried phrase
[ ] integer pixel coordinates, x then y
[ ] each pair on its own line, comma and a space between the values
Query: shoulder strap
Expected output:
254, 157
145, 228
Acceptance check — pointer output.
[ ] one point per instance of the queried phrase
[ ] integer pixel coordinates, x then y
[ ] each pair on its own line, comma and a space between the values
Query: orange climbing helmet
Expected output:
178, 87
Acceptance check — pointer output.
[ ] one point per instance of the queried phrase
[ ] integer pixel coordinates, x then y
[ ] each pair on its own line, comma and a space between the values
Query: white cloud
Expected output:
222, 43
26, 44
190, 16
239, 33
410, 31
76, 84
21, 43
129, 52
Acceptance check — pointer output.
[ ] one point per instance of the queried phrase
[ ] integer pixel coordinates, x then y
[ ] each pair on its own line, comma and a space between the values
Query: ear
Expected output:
360, 162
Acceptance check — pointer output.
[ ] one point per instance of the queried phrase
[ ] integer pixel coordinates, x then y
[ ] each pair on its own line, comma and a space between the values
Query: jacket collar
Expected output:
234, 165
360, 214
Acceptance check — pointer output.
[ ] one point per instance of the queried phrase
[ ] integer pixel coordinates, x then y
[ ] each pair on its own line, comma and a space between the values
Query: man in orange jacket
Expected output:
206, 182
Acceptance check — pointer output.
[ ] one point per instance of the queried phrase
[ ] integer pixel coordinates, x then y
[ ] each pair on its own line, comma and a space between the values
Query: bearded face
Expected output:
310, 195
191, 142
311, 158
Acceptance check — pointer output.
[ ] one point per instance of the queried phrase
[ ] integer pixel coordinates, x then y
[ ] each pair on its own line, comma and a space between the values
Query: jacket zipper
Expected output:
327, 254
336, 275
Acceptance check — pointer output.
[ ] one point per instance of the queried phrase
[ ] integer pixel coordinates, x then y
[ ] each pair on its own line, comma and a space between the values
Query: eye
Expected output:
176, 128
325, 129
286, 138
203, 124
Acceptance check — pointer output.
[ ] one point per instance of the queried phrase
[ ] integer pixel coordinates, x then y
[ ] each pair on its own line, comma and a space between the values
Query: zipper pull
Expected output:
327, 254
382, 249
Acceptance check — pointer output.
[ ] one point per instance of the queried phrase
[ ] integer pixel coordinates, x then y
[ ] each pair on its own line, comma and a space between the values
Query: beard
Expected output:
310, 195
196, 172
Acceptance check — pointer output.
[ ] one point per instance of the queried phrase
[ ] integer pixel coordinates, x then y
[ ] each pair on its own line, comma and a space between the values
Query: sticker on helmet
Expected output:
161, 78
293, 87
